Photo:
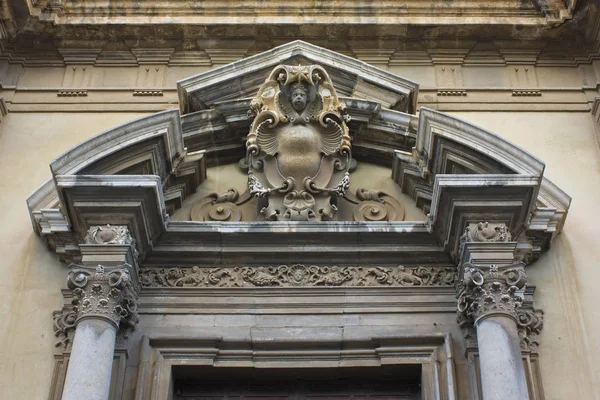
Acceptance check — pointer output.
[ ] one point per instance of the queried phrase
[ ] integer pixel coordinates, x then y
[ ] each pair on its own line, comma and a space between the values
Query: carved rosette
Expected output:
298, 147
104, 294
486, 291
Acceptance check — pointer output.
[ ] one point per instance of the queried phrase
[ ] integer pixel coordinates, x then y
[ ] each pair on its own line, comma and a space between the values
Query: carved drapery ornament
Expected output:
298, 147
297, 275
104, 294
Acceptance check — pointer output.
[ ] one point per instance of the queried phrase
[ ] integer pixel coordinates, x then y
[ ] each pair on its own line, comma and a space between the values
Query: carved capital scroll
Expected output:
101, 293
485, 291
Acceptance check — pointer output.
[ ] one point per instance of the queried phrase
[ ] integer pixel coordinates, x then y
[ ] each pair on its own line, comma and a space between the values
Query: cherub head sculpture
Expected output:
298, 148
299, 96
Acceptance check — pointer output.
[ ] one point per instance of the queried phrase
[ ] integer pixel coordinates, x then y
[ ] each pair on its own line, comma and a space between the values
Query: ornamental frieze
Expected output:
297, 275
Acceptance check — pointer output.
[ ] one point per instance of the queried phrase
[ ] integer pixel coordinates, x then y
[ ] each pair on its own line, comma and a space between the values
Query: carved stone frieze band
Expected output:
102, 293
297, 275
485, 291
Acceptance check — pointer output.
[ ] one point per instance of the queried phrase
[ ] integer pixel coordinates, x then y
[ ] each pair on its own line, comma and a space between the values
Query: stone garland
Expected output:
297, 275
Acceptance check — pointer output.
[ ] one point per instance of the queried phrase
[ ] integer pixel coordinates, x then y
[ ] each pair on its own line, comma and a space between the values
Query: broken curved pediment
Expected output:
140, 173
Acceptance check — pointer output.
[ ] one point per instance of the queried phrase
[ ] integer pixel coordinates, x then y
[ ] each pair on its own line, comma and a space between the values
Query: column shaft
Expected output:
502, 373
90, 365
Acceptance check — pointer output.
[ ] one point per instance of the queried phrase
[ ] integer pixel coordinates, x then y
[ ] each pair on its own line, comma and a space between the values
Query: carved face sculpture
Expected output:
299, 97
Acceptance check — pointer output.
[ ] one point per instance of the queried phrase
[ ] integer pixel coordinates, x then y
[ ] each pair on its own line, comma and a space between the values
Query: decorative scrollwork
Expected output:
64, 328
374, 205
297, 275
220, 207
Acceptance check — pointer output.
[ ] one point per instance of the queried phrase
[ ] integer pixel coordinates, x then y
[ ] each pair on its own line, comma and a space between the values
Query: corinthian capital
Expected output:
100, 293
490, 290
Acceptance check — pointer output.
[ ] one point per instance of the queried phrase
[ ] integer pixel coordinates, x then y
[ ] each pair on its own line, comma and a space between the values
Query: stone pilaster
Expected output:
105, 300
490, 296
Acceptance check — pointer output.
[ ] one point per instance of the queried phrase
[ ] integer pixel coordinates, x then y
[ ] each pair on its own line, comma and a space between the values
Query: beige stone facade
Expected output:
527, 71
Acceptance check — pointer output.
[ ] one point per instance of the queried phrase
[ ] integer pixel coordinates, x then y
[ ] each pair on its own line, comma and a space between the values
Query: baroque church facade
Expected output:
299, 200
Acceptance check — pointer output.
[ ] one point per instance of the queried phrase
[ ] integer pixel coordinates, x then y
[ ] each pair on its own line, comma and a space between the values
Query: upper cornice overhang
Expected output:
138, 173
383, 12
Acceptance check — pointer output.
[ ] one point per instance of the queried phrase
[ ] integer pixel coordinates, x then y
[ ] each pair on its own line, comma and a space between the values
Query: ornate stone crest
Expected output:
298, 148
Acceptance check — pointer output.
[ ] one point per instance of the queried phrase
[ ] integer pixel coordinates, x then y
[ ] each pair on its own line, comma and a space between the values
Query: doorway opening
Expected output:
390, 382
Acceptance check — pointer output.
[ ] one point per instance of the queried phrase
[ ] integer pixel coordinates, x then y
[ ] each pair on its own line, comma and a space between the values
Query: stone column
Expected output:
104, 297
490, 295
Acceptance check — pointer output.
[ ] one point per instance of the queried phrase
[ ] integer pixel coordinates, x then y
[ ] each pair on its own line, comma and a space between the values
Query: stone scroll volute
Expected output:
298, 147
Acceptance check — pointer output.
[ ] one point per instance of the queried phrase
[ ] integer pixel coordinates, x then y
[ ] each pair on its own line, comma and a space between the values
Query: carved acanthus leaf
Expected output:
297, 275
491, 290
104, 294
